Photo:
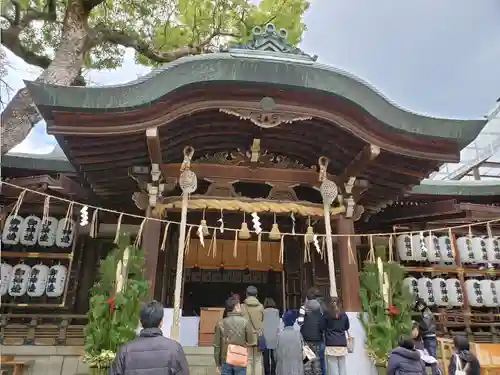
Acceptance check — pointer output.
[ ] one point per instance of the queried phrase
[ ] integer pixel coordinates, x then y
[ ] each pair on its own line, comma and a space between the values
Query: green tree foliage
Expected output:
158, 30
107, 330
383, 331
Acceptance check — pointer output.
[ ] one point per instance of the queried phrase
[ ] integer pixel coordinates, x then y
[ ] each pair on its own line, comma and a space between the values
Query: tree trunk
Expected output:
21, 114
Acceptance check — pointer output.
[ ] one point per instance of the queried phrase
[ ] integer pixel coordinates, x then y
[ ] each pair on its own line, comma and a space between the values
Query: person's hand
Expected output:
218, 370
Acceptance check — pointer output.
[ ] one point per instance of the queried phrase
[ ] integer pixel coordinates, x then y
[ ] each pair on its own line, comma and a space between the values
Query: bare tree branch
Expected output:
104, 34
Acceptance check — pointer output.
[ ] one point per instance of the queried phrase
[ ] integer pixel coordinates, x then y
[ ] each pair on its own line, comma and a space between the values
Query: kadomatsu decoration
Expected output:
387, 306
114, 305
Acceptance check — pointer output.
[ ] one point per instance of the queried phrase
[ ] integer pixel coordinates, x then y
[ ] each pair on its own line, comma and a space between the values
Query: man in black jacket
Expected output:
427, 327
151, 353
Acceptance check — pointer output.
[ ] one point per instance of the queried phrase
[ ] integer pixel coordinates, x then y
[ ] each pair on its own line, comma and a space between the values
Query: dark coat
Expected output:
466, 357
427, 324
150, 354
403, 361
313, 327
336, 329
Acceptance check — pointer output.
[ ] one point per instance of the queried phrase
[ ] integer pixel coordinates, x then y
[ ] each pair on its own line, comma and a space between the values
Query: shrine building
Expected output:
269, 132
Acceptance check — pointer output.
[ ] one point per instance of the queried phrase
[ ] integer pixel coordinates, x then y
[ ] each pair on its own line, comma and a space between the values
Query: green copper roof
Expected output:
457, 188
267, 60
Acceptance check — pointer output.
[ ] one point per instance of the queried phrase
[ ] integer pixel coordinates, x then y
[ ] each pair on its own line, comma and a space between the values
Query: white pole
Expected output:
329, 251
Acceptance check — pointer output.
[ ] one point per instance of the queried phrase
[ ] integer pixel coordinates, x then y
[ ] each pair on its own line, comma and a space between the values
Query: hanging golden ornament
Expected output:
275, 234
244, 233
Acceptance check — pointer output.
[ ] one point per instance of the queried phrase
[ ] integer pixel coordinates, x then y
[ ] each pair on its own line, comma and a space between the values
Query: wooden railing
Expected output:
42, 329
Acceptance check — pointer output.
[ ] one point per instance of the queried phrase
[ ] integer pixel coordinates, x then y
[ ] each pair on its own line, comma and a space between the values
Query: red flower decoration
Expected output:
111, 302
393, 310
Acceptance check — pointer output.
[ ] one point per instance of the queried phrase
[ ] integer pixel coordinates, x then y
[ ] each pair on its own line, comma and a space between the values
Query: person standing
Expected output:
232, 332
151, 353
253, 310
463, 359
314, 294
405, 359
336, 323
312, 330
288, 352
270, 332
427, 327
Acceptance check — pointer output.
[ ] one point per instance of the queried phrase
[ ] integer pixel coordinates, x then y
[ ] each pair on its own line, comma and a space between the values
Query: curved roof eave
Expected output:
457, 188
248, 68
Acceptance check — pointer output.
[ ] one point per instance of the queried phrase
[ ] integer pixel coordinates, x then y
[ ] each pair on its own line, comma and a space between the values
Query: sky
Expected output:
439, 58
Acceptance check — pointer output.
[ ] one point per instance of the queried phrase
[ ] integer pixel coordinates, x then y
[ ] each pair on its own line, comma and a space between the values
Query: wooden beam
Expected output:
360, 162
154, 148
414, 212
212, 172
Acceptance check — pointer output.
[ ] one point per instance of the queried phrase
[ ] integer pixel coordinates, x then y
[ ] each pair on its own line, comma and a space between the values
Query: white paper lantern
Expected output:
495, 292
446, 249
30, 230
440, 290
425, 290
38, 280
455, 292
480, 250
5, 276
497, 289
493, 249
403, 244
474, 293
464, 246
12, 230
48, 232
56, 281
434, 253
18, 284
65, 233
489, 293
420, 249
412, 285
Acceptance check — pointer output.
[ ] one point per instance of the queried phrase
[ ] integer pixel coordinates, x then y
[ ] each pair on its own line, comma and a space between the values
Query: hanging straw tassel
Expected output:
187, 246
282, 249
94, 224
489, 231
46, 205
450, 235
138, 239
259, 248
69, 216
352, 258
165, 236
17, 206
212, 250
391, 249
371, 253
307, 251
118, 226
235, 247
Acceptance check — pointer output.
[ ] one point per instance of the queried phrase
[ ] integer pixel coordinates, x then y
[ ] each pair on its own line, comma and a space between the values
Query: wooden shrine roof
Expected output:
266, 90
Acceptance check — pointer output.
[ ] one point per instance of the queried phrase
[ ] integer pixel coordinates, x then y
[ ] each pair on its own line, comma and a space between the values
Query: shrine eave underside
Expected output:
239, 73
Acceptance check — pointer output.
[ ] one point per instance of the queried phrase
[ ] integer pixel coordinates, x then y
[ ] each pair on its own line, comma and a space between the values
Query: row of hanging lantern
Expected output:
448, 292
431, 248
33, 281
31, 230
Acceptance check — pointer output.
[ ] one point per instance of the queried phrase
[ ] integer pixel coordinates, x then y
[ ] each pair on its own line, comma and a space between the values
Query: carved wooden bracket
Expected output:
221, 188
264, 119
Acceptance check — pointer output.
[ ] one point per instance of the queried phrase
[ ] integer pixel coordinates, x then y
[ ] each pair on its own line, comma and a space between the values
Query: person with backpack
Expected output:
253, 310
233, 336
463, 361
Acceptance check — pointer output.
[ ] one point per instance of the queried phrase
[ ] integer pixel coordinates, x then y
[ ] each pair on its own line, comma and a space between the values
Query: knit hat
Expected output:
290, 317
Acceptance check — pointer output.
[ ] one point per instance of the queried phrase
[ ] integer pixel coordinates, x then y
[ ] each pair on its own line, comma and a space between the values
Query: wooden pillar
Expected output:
150, 245
349, 272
